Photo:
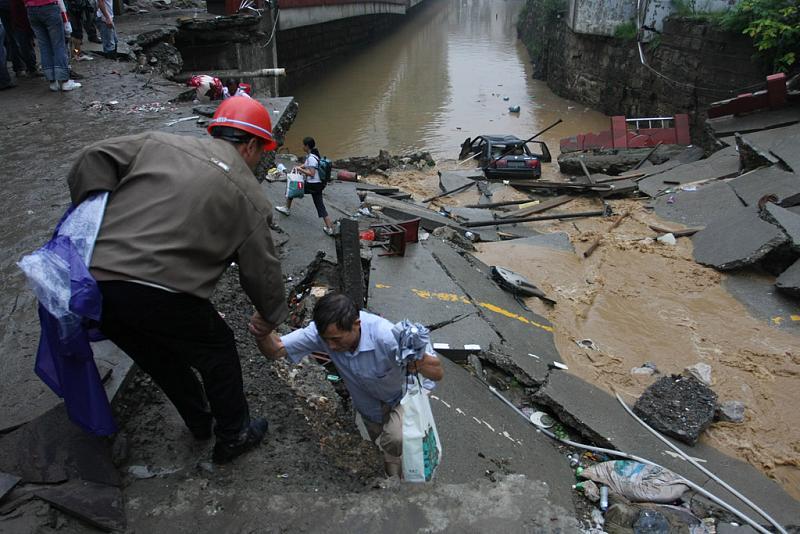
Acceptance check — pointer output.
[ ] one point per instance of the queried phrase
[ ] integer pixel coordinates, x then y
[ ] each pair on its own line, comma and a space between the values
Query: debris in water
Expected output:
587, 344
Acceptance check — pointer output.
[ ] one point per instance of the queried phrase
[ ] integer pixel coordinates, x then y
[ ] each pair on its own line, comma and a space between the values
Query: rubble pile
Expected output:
384, 162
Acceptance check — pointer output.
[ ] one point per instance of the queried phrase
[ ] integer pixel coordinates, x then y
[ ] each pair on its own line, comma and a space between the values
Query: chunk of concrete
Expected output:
730, 411
678, 406
754, 185
721, 164
736, 239
701, 371
698, 208
789, 222
99, 505
789, 281
51, 449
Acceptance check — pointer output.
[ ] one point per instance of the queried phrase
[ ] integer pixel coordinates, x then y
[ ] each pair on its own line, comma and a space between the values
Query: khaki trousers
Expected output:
389, 437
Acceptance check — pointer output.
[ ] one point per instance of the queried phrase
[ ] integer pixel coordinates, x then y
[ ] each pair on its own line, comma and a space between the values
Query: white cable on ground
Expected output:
694, 462
612, 452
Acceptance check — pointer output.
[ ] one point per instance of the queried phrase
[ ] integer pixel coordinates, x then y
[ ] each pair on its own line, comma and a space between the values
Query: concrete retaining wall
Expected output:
693, 63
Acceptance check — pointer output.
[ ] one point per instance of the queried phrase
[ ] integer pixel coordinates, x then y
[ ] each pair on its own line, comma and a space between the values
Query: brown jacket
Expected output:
180, 210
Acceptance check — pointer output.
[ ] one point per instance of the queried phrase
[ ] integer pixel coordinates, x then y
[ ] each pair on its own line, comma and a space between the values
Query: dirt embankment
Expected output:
641, 301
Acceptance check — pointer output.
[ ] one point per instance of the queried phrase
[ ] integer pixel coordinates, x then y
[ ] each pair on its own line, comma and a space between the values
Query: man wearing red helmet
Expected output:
180, 210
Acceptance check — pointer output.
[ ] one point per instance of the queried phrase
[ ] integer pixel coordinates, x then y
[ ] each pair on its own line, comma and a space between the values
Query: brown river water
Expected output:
441, 77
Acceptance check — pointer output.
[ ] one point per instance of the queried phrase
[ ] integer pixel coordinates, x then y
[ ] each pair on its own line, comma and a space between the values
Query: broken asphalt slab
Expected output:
788, 222
7, 483
451, 180
481, 434
753, 122
754, 185
698, 208
527, 338
721, 164
415, 287
756, 291
468, 335
51, 449
99, 505
599, 416
736, 239
789, 281
514, 504
780, 142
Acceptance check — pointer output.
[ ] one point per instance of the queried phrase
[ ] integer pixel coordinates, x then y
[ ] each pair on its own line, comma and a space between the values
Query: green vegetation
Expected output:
626, 31
774, 26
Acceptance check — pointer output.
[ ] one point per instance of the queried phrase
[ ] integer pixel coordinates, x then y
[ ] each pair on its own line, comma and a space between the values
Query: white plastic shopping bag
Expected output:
295, 184
422, 450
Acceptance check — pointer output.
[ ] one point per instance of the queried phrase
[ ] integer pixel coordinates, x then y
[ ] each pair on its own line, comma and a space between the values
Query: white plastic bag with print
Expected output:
295, 184
422, 450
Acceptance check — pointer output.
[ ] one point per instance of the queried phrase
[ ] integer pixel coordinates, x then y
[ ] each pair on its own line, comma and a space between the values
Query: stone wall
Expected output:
305, 51
696, 64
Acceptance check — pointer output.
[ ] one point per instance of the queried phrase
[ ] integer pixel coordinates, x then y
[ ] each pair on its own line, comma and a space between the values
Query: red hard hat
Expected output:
245, 114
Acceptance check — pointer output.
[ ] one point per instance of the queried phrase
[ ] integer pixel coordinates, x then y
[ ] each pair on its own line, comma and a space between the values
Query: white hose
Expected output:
695, 463
612, 452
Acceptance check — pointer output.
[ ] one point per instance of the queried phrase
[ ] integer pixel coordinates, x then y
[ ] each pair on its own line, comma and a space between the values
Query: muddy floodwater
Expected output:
449, 72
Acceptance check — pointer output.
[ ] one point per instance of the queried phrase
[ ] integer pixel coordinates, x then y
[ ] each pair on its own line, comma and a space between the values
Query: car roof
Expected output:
502, 138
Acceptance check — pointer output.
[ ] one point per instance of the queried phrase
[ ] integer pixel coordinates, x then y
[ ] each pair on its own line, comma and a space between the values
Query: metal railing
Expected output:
659, 122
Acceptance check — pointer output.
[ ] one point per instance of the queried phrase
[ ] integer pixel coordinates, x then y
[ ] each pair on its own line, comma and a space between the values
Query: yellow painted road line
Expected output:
452, 297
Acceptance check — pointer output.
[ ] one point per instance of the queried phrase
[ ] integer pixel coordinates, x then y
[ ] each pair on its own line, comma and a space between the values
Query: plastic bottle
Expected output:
604, 498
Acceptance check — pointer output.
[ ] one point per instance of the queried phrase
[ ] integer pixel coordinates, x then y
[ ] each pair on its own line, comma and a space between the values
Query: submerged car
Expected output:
506, 157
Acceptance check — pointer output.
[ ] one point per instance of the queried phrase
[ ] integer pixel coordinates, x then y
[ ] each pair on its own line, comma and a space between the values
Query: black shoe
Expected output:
7, 86
225, 451
95, 39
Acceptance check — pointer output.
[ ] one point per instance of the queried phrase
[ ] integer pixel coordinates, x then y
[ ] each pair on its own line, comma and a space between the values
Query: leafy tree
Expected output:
774, 26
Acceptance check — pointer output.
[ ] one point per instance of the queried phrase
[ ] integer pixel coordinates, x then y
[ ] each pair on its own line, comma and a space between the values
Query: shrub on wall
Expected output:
774, 26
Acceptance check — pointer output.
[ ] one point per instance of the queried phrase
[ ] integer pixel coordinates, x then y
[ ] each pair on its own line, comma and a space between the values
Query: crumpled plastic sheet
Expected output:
412, 339
50, 275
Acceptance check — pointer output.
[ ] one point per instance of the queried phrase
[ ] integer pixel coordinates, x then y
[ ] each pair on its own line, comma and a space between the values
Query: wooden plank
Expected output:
544, 206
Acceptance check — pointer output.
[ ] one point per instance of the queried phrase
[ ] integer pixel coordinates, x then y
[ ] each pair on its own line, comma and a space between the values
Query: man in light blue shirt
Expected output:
364, 349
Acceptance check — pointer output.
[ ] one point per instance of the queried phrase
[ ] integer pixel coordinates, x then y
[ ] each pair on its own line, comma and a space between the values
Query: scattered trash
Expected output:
689, 188
644, 371
597, 518
143, 471
558, 365
283, 475
667, 239
587, 344
505, 98
513, 109
182, 119
603, 498
367, 235
671, 199
319, 291
701, 371
542, 420
423, 236
333, 378
637, 481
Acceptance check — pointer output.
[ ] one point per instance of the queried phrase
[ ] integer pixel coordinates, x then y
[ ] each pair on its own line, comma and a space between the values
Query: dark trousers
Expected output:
315, 190
12, 49
170, 334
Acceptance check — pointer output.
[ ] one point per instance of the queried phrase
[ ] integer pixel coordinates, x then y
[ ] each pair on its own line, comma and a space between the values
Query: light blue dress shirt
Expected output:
371, 373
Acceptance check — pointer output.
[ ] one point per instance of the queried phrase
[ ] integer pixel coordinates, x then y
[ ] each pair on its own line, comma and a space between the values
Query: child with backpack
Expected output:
314, 183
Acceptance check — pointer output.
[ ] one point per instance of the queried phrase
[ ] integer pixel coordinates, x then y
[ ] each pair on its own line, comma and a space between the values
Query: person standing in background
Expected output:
5, 77
105, 22
22, 33
48, 26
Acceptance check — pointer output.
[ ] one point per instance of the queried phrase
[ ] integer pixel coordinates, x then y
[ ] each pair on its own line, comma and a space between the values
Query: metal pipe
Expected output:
456, 190
627, 456
577, 215
260, 73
